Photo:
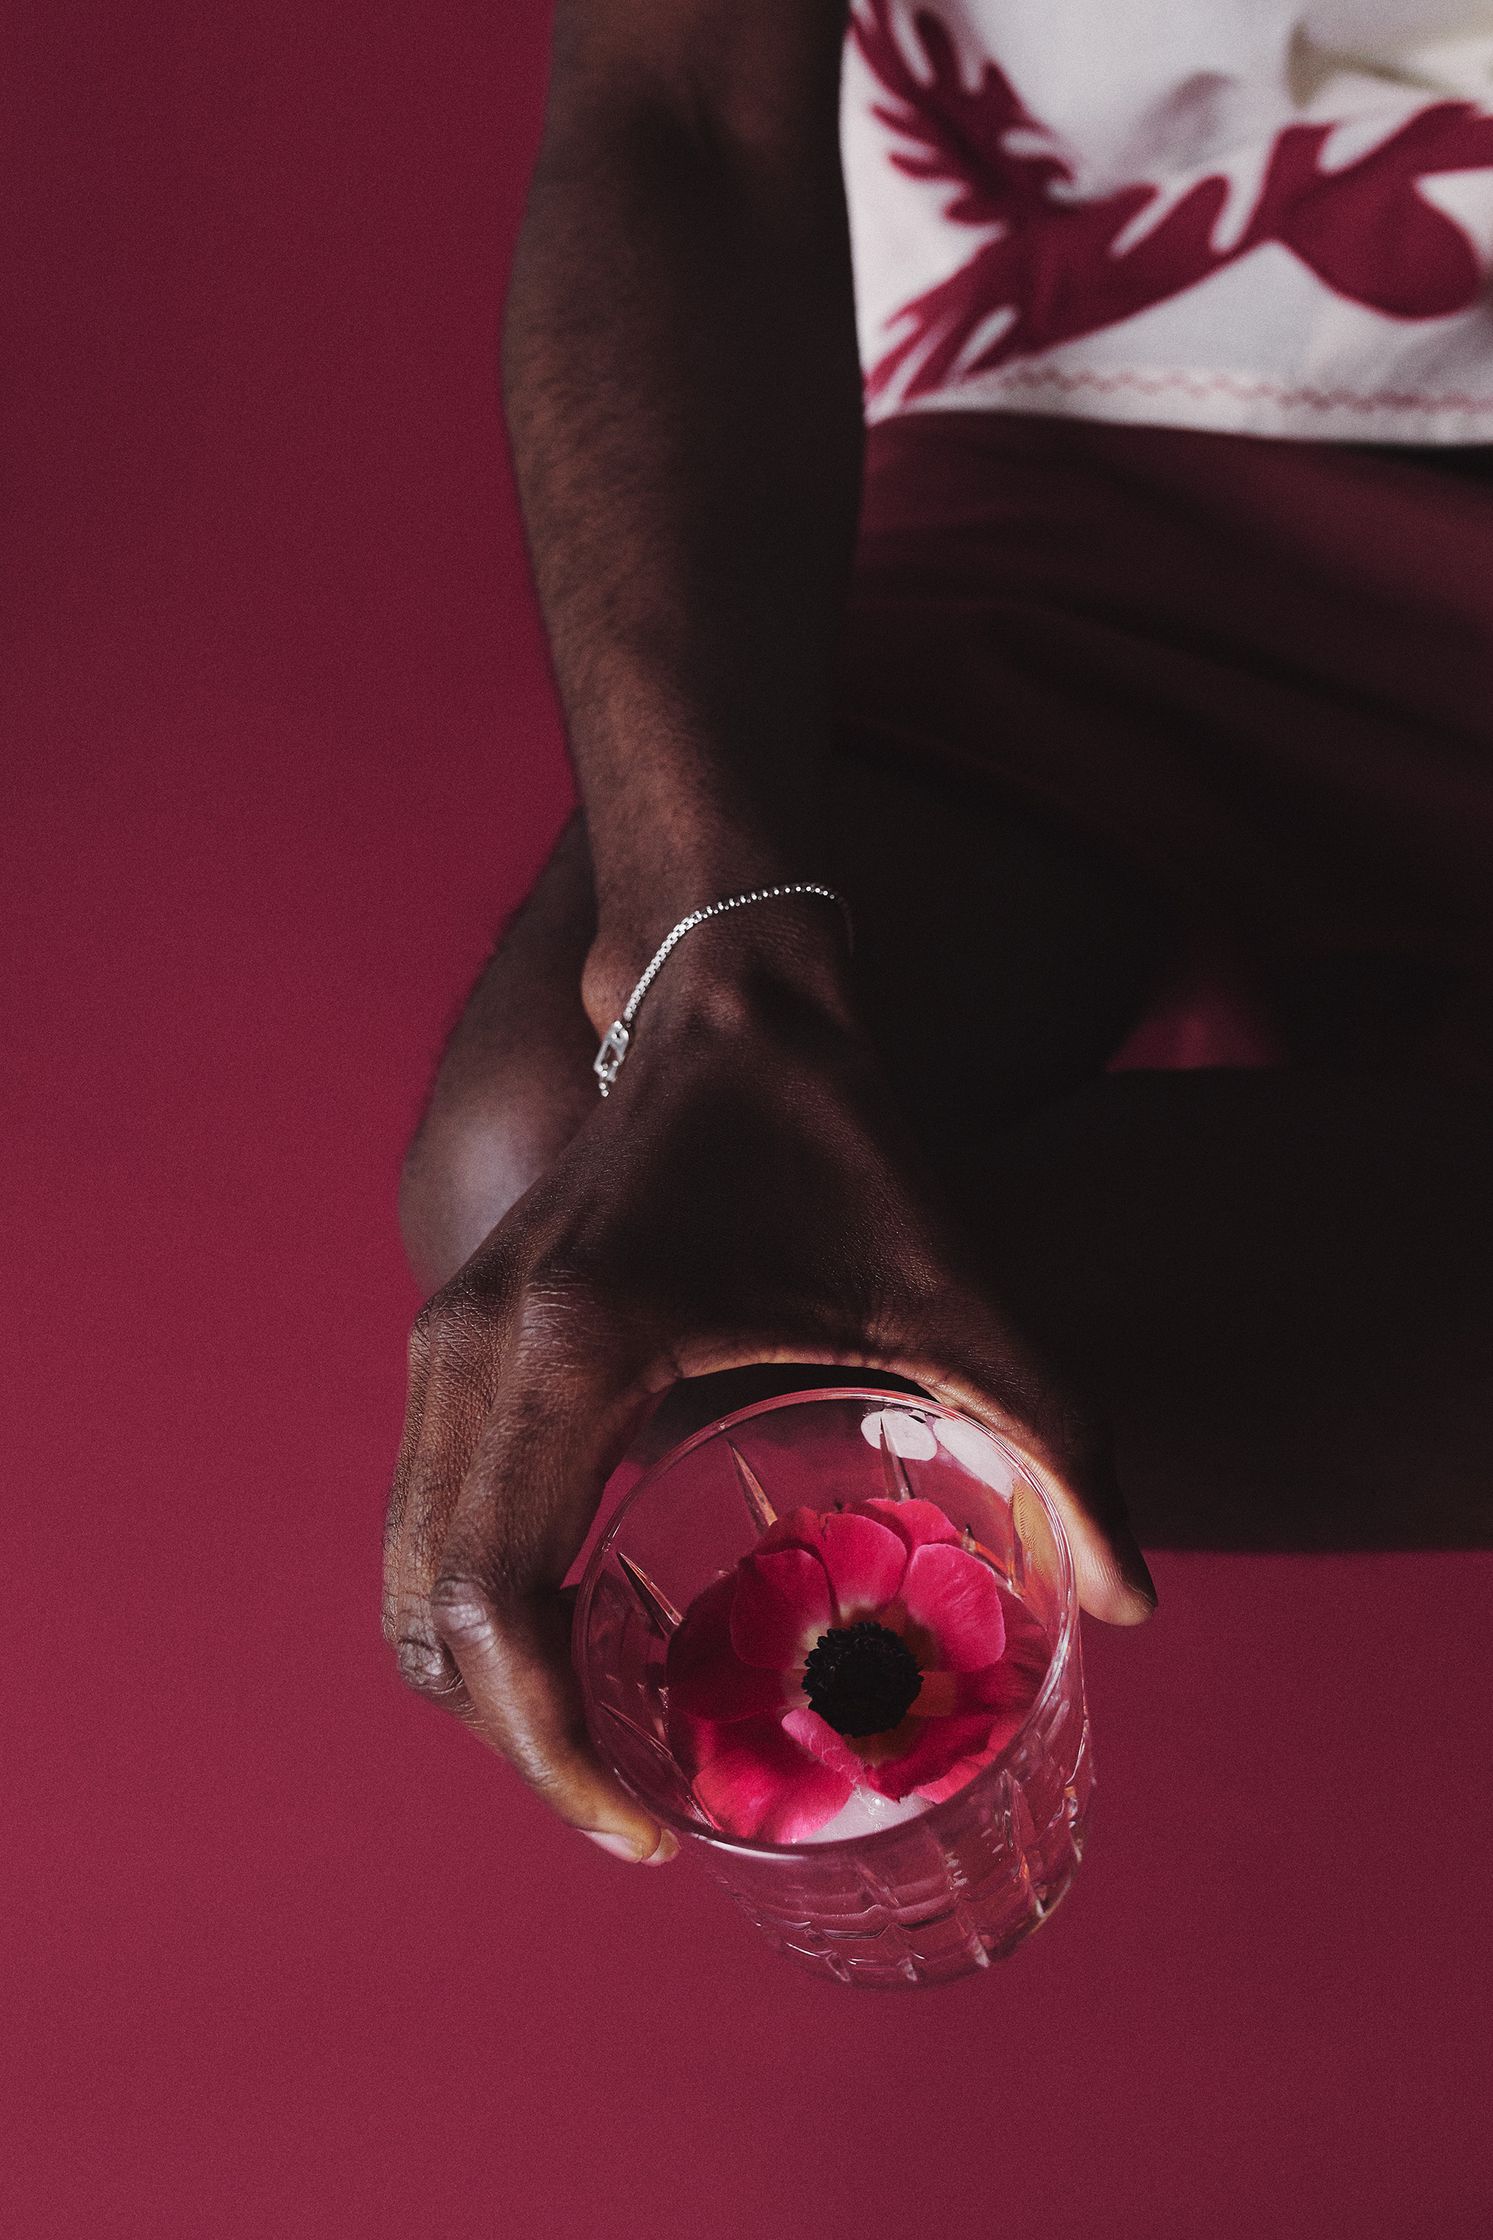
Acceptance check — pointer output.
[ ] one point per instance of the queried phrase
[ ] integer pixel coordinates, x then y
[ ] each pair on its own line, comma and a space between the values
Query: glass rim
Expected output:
755, 1847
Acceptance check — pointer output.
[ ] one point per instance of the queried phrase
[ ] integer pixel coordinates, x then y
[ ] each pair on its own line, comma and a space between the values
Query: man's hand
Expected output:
746, 1194
684, 403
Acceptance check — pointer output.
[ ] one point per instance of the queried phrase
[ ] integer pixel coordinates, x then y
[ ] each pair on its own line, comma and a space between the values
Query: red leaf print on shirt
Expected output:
1060, 268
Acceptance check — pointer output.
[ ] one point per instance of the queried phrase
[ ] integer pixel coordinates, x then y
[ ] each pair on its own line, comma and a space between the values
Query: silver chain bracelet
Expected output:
608, 1061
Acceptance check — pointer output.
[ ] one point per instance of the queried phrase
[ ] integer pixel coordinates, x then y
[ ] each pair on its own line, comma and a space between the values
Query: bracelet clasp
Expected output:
607, 1063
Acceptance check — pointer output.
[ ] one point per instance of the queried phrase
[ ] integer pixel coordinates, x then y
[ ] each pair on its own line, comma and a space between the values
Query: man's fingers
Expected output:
524, 1700
1114, 1582
454, 1359
496, 1607
518, 1407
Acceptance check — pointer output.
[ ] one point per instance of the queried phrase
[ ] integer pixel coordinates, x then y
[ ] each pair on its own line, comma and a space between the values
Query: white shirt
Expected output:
1233, 214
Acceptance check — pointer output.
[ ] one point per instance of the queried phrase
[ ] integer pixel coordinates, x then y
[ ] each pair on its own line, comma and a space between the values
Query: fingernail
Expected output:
632, 1850
621, 1847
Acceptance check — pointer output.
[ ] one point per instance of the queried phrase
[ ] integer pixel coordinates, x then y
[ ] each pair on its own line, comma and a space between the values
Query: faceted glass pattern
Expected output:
935, 1897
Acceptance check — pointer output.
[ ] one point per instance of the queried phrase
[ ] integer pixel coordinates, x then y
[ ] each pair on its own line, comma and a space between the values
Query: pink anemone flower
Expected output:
858, 1648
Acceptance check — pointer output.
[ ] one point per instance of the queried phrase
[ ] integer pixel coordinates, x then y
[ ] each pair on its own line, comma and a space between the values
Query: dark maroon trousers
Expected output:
1259, 672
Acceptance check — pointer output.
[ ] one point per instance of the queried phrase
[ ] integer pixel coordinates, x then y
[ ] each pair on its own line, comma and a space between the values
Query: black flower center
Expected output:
861, 1678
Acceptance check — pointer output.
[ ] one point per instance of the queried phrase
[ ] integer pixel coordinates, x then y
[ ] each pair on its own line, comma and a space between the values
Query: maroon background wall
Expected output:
284, 1953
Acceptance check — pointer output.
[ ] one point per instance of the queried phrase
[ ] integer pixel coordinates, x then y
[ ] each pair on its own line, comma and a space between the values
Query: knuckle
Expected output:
461, 1607
425, 1668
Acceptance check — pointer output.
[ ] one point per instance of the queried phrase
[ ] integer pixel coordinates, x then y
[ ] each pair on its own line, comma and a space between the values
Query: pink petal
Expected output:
942, 1693
998, 1690
795, 1528
765, 1785
991, 1687
939, 1745
704, 1675
954, 1597
916, 1522
1005, 1729
819, 1738
695, 1742
782, 1605
865, 1563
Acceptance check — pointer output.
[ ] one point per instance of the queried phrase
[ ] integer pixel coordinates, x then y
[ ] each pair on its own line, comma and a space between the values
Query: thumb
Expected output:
523, 1700
499, 1610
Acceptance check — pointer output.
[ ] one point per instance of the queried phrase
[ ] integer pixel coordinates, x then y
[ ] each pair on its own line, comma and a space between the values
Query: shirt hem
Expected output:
1229, 403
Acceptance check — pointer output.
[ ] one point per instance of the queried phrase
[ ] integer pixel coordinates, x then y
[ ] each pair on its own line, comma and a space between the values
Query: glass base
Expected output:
932, 1903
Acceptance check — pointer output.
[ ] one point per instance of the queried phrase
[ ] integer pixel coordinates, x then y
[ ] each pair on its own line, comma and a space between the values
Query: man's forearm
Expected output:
684, 400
